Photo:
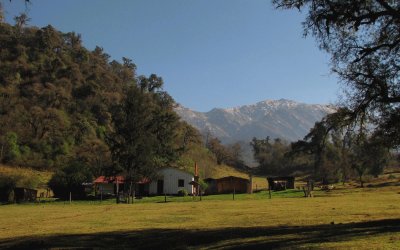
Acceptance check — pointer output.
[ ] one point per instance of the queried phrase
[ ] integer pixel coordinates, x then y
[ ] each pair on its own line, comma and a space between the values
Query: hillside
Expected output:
61, 102
282, 118
12, 176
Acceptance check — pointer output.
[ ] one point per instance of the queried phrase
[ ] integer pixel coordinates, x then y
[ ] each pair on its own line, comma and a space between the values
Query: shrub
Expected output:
182, 192
12, 152
70, 179
203, 185
7, 185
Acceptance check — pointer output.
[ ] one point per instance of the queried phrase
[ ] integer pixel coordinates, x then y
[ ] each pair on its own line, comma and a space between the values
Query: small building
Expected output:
170, 181
227, 184
280, 183
25, 195
167, 181
108, 185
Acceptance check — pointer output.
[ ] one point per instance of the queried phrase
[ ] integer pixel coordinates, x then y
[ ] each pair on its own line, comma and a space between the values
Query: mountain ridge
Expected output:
285, 119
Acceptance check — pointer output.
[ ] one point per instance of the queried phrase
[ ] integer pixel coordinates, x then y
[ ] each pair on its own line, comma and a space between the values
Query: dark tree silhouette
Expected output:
363, 39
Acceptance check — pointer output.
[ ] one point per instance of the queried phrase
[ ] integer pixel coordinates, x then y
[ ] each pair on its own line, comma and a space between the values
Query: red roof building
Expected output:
113, 179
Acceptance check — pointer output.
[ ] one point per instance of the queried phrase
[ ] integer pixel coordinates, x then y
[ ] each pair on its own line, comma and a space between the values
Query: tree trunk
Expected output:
117, 189
361, 181
133, 193
130, 193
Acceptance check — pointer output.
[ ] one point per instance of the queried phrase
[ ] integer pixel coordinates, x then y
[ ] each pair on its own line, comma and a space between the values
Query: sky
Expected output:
210, 53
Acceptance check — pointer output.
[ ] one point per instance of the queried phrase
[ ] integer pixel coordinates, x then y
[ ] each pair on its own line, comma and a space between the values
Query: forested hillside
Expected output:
60, 103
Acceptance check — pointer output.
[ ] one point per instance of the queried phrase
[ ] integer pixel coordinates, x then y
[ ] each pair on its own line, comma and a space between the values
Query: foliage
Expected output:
369, 156
70, 179
228, 154
7, 185
60, 102
182, 192
270, 156
11, 148
363, 39
277, 157
336, 151
144, 130
203, 185
12, 179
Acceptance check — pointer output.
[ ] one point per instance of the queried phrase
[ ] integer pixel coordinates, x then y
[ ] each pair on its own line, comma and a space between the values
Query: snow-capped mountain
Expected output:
282, 118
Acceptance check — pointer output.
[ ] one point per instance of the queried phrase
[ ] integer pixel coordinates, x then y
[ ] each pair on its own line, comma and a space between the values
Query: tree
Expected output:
133, 142
69, 180
1, 13
363, 39
11, 150
271, 156
368, 156
325, 143
220, 152
21, 21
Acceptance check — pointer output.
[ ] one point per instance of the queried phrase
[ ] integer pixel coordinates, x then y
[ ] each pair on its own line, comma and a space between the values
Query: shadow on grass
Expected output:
237, 238
386, 184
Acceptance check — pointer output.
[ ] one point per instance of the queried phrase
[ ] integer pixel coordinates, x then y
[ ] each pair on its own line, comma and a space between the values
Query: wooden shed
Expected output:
227, 184
281, 183
24, 195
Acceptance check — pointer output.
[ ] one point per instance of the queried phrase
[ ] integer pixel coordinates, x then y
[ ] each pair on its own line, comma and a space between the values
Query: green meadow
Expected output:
344, 218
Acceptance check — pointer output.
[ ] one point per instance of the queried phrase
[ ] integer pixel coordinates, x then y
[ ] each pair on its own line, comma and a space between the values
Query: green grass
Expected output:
345, 218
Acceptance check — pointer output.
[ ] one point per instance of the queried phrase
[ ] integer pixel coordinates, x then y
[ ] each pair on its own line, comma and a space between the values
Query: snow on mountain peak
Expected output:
282, 118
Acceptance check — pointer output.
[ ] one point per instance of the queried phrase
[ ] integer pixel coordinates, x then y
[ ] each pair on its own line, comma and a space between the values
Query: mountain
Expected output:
282, 118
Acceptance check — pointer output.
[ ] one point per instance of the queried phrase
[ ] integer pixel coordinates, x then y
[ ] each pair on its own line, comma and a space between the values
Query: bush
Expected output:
70, 179
203, 185
7, 185
182, 192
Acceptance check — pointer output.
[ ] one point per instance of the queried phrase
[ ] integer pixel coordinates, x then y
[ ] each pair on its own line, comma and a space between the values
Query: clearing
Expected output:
344, 218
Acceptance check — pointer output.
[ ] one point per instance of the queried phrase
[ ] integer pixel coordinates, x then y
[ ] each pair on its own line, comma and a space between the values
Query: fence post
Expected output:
269, 191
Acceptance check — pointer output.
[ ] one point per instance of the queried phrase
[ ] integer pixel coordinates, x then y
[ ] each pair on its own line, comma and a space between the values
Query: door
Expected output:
160, 187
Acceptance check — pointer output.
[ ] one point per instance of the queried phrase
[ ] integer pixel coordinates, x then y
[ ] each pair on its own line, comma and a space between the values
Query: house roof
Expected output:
232, 178
106, 179
120, 179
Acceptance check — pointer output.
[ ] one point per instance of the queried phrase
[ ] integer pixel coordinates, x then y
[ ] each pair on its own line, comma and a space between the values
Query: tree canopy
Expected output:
61, 103
363, 39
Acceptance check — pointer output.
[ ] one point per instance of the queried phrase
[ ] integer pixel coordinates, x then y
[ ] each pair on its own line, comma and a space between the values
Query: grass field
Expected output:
344, 218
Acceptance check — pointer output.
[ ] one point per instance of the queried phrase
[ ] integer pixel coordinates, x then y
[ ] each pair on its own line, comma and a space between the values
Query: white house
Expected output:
170, 181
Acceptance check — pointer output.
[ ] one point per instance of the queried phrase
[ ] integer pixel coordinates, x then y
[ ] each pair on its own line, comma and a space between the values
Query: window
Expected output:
181, 183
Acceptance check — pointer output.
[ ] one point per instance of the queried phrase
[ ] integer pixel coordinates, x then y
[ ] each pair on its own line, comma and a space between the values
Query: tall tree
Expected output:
21, 21
271, 155
368, 156
220, 152
133, 143
363, 39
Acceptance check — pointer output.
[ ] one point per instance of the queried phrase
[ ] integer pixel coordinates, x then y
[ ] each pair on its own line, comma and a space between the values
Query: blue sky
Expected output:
210, 53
